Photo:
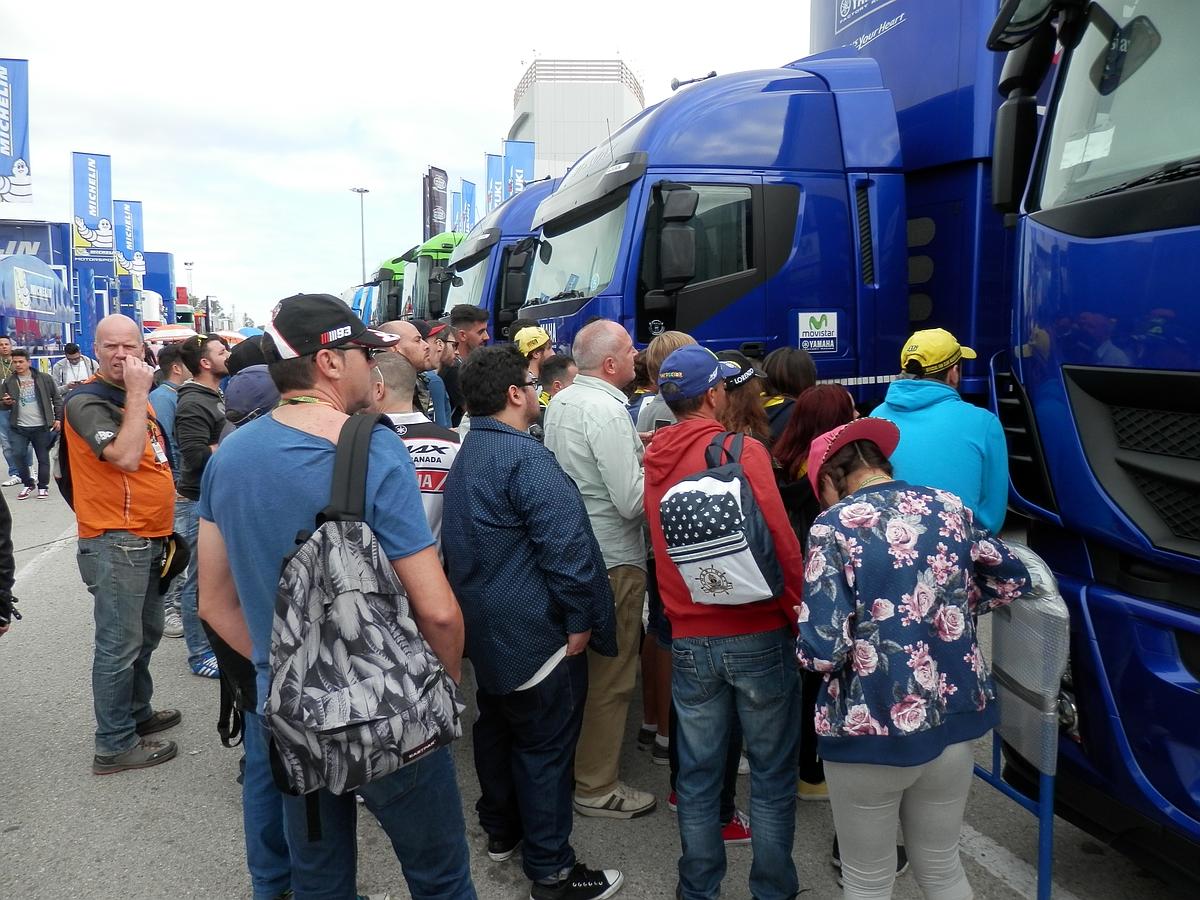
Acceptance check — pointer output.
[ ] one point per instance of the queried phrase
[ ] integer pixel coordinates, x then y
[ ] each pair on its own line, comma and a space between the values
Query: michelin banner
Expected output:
518, 166
92, 227
439, 200
16, 184
494, 179
127, 229
467, 189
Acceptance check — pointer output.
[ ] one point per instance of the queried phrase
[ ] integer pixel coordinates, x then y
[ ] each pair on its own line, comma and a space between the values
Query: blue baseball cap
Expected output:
692, 370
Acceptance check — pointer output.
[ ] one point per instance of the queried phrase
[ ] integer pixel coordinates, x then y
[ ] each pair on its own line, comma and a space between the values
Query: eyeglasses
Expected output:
532, 382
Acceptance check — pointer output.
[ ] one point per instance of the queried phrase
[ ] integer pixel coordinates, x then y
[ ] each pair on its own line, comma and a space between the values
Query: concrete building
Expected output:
568, 106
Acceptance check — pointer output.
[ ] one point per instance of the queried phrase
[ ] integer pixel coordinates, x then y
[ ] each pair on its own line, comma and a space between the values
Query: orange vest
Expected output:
111, 499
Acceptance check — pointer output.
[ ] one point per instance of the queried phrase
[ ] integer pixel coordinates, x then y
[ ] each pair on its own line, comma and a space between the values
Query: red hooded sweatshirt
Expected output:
677, 452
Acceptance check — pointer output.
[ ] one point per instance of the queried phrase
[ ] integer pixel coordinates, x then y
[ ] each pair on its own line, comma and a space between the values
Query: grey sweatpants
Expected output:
927, 800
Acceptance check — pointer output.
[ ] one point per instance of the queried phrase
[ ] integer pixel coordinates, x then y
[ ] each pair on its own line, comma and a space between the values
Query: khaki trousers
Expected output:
611, 682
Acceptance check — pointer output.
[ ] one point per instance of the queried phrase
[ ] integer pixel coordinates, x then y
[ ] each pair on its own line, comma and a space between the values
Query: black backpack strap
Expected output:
348, 492
109, 393
717, 454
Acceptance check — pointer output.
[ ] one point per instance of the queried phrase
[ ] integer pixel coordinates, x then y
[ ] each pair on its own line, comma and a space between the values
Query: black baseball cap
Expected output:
303, 324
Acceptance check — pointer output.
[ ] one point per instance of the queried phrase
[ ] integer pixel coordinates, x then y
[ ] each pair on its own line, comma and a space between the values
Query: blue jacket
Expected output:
164, 400
441, 400
894, 579
947, 443
523, 561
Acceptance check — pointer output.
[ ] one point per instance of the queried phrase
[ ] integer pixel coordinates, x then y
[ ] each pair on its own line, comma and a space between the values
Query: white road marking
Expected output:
32, 567
1005, 866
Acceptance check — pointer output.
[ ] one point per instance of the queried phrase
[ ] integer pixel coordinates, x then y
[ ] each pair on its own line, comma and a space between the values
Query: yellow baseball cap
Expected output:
530, 339
935, 350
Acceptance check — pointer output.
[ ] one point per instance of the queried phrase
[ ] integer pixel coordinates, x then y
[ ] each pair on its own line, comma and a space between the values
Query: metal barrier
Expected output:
1030, 642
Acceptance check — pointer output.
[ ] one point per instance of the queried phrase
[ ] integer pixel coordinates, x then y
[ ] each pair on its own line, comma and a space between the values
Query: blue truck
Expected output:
1043, 206
491, 267
1099, 392
751, 210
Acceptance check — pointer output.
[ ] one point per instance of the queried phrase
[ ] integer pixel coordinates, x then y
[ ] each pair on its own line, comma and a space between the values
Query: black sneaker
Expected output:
645, 738
582, 884
502, 849
660, 755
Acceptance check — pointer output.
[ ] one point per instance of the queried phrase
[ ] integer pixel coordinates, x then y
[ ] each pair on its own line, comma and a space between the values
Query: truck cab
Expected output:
751, 210
1099, 394
491, 267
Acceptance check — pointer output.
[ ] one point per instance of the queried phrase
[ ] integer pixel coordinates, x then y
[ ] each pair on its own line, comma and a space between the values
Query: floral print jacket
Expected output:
895, 576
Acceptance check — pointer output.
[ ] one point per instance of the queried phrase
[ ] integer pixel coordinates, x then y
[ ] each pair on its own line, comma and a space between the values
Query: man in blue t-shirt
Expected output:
266, 483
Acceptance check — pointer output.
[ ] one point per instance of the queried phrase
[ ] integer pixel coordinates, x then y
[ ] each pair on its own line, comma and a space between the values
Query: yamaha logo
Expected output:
401, 430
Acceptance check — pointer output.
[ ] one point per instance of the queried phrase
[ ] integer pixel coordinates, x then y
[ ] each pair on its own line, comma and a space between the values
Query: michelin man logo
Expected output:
17, 187
135, 267
101, 238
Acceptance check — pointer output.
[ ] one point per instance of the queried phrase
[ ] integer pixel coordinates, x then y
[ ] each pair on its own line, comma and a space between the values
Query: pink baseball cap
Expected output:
882, 433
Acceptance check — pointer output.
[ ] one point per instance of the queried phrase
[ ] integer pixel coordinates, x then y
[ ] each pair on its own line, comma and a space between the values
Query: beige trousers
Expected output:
611, 682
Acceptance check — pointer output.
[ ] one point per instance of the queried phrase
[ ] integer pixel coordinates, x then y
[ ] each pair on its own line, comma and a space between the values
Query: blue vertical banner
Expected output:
16, 183
518, 166
456, 219
92, 228
127, 230
493, 166
467, 189
92, 240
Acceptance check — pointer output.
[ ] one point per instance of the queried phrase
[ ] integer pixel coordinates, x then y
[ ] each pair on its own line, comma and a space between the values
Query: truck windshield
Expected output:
582, 255
1127, 106
471, 289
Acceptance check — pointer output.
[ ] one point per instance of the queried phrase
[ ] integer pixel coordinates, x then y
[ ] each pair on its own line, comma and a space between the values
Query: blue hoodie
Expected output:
947, 443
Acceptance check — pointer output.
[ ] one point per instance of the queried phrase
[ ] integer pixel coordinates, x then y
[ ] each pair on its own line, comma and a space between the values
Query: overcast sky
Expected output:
242, 126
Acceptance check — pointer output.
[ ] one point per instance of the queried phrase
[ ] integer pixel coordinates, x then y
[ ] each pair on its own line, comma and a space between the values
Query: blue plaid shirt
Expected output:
523, 561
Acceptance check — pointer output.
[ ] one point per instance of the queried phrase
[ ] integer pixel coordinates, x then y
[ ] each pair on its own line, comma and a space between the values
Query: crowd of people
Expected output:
798, 585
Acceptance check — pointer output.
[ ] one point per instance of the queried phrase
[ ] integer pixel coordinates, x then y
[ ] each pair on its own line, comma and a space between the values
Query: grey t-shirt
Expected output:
29, 411
654, 414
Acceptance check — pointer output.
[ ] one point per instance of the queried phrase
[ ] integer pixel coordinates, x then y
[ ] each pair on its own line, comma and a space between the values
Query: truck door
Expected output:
700, 257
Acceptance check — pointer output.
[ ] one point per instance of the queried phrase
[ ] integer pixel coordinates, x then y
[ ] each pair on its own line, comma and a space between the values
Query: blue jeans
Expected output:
6, 443
524, 745
121, 571
183, 589
41, 439
754, 677
267, 855
420, 809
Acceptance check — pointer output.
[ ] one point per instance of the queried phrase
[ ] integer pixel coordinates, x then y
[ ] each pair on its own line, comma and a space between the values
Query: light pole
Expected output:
362, 229
188, 266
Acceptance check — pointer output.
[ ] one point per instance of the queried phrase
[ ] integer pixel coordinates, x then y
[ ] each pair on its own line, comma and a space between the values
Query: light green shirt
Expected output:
589, 431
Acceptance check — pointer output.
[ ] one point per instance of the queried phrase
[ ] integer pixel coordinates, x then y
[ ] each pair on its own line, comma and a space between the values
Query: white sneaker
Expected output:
172, 624
13, 481
743, 765
623, 802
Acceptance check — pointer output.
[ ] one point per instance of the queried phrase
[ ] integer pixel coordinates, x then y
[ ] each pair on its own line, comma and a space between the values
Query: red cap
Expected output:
882, 433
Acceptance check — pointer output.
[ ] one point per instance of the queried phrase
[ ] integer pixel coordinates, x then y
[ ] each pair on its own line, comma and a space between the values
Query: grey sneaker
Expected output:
140, 756
172, 624
623, 802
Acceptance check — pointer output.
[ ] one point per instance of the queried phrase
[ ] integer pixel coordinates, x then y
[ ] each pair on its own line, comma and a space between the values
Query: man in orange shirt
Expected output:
124, 499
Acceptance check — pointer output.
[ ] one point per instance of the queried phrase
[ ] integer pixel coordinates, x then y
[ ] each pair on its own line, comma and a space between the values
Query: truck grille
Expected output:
1141, 433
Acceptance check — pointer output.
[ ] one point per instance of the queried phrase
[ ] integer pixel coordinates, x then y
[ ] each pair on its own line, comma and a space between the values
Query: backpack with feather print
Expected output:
355, 691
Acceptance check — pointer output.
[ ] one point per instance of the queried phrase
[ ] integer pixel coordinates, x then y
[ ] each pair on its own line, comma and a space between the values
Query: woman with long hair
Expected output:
790, 372
821, 408
895, 576
743, 410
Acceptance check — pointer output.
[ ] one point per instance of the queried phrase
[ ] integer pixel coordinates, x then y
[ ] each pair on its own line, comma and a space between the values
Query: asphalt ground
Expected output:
176, 830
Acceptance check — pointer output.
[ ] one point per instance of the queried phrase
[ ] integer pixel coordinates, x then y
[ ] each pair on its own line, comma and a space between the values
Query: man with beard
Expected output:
199, 422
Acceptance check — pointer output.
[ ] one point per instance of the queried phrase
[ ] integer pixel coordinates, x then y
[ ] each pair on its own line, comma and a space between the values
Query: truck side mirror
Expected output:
1017, 120
1018, 20
677, 255
677, 240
